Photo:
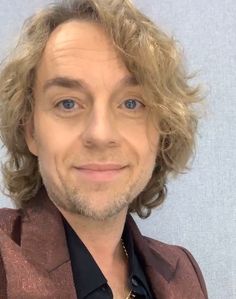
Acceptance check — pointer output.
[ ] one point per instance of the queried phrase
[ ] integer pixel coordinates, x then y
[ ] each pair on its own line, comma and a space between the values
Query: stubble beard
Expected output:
73, 200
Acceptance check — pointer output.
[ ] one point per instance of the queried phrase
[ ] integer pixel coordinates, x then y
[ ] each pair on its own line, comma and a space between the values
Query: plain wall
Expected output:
200, 211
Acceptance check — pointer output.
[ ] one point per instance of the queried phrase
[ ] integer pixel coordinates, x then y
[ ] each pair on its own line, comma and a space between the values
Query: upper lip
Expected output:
101, 167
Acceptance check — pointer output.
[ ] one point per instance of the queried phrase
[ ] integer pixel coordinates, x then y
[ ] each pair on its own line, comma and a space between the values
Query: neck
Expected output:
102, 238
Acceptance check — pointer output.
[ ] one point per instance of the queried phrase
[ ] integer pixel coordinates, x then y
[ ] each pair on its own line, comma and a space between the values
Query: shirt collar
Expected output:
87, 273
136, 272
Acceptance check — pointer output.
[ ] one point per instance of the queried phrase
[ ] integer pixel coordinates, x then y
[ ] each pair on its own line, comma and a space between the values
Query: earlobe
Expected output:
30, 137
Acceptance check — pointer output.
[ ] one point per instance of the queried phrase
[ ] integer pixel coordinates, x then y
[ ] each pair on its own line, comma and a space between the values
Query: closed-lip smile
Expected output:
100, 172
101, 167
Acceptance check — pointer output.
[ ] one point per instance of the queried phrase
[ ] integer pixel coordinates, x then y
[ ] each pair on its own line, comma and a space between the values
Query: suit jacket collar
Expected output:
43, 233
159, 271
43, 242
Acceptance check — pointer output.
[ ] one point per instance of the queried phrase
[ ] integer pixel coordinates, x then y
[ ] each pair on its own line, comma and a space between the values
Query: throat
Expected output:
116, 271
115, 262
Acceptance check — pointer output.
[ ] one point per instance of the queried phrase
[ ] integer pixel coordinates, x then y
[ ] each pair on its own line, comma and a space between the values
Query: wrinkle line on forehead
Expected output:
69, 45
65, 50
81, 56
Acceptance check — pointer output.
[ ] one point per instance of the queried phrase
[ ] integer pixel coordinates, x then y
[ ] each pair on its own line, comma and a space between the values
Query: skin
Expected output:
103, 121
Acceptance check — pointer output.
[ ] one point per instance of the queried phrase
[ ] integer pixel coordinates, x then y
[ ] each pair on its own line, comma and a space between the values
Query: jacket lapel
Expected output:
43, 243
158, 270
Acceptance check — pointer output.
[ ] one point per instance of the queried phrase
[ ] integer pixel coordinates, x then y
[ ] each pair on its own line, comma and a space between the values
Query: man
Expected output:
96, 112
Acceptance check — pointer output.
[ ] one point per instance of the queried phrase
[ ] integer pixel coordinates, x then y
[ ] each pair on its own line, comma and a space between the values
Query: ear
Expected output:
30, 136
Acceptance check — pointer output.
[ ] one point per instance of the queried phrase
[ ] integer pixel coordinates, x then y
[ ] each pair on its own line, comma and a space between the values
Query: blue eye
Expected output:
132, 104
68, 104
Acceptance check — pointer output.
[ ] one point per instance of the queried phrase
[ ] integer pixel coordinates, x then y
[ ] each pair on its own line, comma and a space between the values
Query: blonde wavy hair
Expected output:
152, 56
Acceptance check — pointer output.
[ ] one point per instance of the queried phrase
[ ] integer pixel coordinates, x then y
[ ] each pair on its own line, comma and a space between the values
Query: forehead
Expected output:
80, 39
81, 48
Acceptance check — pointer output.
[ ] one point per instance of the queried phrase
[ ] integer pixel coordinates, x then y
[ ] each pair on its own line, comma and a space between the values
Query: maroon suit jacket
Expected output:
35, 262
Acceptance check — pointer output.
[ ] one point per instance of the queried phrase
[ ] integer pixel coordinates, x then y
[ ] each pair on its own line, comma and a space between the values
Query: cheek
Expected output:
144, 143
51, 138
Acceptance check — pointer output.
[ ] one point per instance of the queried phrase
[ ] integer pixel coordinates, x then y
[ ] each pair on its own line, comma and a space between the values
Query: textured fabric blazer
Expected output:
35, 262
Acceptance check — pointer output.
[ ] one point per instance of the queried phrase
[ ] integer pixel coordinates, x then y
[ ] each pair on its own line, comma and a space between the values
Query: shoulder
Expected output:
180, 256
10, 220
169, 252
10, 230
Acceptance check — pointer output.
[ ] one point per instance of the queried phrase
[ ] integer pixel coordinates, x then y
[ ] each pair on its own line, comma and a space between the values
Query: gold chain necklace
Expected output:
130, 295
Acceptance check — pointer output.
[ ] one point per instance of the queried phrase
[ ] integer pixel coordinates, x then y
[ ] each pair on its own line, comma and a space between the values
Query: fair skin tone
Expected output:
95, 144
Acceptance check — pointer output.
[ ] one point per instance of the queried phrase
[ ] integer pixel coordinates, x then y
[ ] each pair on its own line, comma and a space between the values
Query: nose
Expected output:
100, 129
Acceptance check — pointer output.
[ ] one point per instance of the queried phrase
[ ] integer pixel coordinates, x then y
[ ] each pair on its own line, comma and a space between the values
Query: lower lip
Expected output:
100, 176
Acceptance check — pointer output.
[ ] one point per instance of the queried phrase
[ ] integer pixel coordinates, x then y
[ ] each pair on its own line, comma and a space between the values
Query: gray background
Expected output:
200, 212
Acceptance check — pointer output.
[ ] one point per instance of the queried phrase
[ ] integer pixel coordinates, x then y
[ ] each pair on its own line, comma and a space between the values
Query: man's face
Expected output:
95, 143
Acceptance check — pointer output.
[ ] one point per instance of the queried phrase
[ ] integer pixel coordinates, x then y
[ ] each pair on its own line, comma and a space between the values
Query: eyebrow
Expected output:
80, 84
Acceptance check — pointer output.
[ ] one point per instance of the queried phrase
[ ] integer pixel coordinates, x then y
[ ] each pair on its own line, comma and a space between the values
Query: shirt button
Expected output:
134, 282
104, 288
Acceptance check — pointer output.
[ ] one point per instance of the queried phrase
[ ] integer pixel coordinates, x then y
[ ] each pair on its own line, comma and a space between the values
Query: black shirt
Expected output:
89, 280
